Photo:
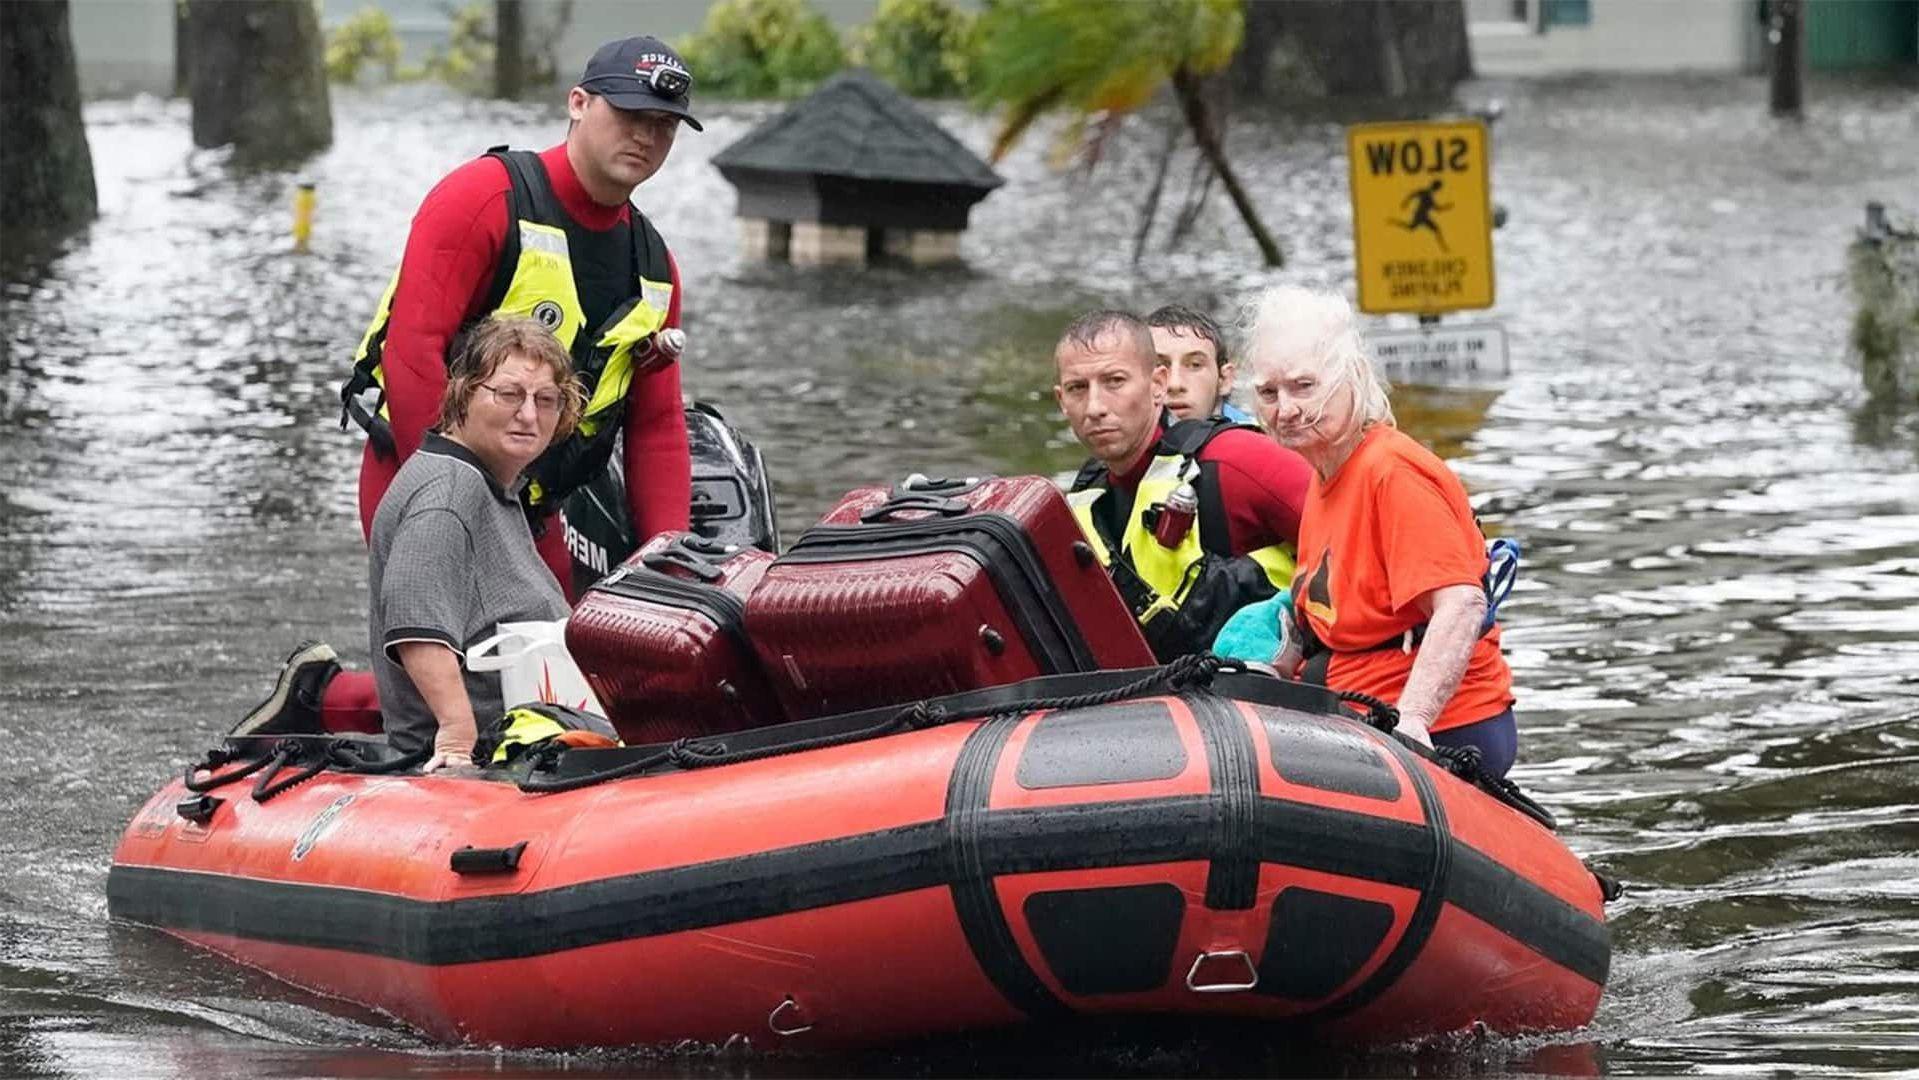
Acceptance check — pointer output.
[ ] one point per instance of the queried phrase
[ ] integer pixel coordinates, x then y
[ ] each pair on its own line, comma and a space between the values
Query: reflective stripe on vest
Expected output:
1169, 572
543, 287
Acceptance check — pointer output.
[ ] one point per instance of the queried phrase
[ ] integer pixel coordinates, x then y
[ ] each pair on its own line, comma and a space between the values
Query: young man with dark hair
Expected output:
1199, 372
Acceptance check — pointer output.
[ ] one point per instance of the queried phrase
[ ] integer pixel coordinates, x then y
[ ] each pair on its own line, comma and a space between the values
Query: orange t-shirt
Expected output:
1392, 524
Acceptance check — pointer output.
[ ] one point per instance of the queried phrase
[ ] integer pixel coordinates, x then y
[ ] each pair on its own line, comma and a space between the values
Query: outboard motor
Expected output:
732, 500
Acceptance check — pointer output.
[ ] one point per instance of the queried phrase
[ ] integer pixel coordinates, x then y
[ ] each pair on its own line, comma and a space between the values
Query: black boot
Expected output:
294, 706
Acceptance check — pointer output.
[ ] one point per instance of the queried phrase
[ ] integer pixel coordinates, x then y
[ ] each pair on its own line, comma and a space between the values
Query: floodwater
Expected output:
1716, 639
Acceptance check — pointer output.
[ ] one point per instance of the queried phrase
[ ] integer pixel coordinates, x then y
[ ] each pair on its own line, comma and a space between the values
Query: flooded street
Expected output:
1715, 638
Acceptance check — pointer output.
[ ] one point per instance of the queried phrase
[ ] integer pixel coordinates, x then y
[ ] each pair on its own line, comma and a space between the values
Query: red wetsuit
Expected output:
1262, 484
445, 276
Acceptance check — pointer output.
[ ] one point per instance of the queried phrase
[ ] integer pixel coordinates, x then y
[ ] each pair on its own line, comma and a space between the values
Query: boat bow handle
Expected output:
787, 1019
1239, 974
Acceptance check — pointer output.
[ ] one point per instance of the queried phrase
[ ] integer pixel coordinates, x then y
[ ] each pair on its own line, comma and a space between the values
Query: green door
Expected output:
1847, 35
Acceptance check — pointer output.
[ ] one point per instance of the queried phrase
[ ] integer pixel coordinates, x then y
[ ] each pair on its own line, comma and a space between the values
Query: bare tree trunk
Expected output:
1197, 189
1151, 209
1362, 48
1392, 68
259, 79
1217, 95
1435, 50
1265, 29
509, 49
46, 170
1788, 58
1186, 87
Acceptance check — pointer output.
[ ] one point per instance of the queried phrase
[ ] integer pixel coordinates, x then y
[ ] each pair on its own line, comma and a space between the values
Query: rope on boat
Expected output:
1464, 762
1383, 715
340, 755
355, 756
1187, 672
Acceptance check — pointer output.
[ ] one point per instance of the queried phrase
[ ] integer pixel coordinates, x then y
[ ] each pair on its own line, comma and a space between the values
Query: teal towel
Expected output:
1257, 632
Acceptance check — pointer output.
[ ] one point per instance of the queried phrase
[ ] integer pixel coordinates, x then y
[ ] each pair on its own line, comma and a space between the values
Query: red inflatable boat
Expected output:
1170, 841
1007, 832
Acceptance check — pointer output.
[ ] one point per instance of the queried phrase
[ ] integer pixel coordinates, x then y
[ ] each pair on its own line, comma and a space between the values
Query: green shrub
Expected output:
367, 37
465, 62
919, 46
762, 48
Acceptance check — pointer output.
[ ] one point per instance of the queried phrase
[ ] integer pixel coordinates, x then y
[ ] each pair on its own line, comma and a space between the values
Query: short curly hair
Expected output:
480, 349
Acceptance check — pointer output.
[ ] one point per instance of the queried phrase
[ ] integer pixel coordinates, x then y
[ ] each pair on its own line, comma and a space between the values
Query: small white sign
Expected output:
1478, 349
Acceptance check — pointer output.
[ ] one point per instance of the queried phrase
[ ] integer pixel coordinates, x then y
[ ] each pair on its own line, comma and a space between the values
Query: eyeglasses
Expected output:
512, 397
663, 79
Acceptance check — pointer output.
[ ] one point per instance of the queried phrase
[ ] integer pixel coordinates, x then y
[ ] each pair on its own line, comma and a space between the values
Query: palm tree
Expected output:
1101, 61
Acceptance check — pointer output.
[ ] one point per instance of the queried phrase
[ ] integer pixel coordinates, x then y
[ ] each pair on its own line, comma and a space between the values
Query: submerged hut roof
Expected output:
859, 127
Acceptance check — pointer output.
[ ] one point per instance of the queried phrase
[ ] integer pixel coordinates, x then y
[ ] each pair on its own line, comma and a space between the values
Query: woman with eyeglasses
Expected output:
451, 555
450, 558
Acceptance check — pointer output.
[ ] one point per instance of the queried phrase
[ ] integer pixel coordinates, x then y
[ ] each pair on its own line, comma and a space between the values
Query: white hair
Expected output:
1293, 322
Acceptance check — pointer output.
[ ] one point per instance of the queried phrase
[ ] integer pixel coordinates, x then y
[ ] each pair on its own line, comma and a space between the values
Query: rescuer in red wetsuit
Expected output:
552, 236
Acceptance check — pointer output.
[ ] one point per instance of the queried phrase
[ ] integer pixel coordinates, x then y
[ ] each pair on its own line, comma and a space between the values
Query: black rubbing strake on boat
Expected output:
1232, 882
1432, 890
975, 901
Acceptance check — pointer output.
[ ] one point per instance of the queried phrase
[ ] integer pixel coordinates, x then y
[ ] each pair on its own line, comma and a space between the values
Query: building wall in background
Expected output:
123, 47
1548, 37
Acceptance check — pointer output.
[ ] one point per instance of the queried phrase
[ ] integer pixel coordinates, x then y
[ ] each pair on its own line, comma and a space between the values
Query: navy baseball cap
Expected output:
641, 73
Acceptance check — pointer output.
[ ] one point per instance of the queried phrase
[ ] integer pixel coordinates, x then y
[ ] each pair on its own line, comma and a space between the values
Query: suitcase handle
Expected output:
922, 484
690, 561
932, 504
705, 545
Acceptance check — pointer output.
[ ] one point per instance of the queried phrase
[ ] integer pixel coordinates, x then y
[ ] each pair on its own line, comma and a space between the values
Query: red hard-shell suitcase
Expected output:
936, 587
660, 641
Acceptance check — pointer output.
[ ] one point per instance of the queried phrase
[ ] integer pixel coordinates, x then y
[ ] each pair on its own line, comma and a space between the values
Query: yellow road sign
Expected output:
1422, 216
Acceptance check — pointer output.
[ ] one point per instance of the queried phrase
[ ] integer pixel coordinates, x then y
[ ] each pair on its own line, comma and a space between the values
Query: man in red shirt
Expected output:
1246, 492
553, 236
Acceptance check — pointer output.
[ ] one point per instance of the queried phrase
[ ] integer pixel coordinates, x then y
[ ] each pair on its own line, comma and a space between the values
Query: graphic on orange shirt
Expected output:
1319, 598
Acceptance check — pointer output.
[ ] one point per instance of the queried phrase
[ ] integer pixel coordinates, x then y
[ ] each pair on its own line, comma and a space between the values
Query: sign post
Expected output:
1422, 216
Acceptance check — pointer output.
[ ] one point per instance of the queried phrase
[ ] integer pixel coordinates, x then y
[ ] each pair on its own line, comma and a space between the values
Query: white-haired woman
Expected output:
1388, 594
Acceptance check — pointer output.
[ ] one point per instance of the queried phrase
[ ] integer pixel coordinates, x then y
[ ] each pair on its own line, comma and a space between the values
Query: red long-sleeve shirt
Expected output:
445, 276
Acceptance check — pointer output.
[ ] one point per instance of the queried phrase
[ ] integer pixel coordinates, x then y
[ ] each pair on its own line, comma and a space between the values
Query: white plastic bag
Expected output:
534, 665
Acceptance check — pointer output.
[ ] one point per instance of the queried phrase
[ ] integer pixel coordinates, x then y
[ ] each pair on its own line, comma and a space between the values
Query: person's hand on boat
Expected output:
435, 670
1453, 617
1415, 729
453, 750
